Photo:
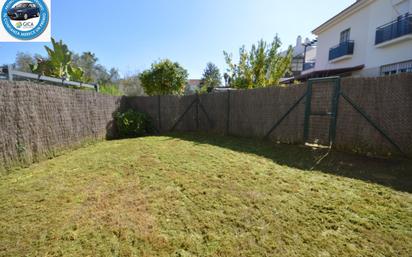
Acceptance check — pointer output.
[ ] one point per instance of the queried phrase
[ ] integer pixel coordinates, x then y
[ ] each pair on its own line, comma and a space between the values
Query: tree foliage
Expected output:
87, 61
211, 78
94, 72
262, 66
113, 90
164, 78
24, 61
58, 63
62, 63
131, 85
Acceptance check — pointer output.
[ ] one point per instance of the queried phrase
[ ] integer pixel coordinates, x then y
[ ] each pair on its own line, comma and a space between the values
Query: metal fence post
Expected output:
308, 110
97, 88
10, 72
335, 108
197, 111
228, 113
158, 113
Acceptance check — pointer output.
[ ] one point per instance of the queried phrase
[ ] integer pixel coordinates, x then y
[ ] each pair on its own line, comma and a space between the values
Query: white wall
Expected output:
311, 55
363, 26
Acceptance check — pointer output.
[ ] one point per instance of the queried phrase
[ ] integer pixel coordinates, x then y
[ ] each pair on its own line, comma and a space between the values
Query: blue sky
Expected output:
131, 34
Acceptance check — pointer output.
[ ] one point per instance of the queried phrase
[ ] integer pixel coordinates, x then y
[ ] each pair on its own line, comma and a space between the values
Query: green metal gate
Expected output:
321, 110
324, 105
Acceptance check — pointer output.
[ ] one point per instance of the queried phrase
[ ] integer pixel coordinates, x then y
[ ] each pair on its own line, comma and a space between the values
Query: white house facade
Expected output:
299, 54
370, 38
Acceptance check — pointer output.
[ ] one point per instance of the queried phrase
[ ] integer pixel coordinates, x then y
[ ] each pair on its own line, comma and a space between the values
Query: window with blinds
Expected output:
396, 68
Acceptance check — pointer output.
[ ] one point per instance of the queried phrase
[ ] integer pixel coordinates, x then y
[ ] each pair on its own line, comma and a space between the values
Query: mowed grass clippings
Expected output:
184, 195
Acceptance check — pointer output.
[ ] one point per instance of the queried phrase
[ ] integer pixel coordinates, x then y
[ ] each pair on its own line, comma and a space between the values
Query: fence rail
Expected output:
9, 73
395, 29
344, 48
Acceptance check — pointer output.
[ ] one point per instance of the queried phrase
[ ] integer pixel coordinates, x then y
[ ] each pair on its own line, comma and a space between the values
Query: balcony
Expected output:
342, 51
308, 65
394, 30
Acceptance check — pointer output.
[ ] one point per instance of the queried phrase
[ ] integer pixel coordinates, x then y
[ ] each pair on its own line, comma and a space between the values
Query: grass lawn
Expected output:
193, 195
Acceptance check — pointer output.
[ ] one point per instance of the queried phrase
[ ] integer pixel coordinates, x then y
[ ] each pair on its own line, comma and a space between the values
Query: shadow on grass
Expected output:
396, 174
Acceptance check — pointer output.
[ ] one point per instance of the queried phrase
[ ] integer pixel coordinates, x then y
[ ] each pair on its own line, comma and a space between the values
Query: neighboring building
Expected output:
299, 55
369, 38
193, 85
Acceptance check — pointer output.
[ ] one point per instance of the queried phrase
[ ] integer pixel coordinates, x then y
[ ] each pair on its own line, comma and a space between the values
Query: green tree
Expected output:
211, 78
24, 61
94, 72
104, 76
58, 63
262, 66
87, 62
131, 85
113, 90
62, 63
164, 78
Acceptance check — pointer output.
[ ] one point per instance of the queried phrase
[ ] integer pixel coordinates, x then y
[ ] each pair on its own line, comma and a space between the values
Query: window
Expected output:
297, 64
22, 5
396, 68
345, 36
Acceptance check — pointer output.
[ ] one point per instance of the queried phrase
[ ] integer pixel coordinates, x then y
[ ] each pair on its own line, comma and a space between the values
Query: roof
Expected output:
194, 82
359, 4
324, 73
299, 48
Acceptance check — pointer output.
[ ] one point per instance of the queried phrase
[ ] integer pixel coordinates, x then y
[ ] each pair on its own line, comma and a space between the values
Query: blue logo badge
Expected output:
25, 19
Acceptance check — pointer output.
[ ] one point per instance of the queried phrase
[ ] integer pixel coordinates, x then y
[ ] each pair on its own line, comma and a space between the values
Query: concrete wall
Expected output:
38, 120
363, 25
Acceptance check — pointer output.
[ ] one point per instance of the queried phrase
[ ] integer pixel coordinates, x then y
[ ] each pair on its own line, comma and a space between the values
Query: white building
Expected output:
369, 38
300, 52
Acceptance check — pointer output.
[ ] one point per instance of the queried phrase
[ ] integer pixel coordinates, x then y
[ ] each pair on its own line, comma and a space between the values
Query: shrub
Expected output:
133, 124
110, 90
164, 78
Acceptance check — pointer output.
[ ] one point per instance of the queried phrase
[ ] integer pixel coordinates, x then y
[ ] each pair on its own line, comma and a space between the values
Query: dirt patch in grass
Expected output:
63, 207
121, 211
188, 195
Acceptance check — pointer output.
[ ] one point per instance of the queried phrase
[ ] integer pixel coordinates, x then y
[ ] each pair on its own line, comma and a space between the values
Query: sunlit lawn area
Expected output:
198, 195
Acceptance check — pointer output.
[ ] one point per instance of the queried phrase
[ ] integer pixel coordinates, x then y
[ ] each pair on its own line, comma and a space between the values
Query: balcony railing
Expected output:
308, 65
395, 29
344, 48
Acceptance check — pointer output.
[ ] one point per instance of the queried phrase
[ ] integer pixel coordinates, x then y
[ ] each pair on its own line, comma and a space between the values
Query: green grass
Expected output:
193, 195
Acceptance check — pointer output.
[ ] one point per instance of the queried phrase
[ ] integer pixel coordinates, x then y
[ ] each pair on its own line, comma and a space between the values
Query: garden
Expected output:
189, 194
149, 191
